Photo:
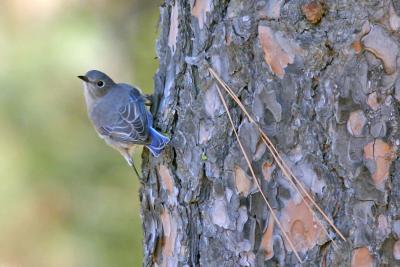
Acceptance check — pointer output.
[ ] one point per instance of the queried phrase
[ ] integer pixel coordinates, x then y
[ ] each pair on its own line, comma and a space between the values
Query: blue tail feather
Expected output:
158, 142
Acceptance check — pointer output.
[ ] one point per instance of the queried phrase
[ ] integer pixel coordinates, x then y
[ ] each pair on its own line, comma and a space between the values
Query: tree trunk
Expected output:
320, 78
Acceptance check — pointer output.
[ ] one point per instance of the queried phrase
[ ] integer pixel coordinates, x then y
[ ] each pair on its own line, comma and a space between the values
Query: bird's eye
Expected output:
100, 83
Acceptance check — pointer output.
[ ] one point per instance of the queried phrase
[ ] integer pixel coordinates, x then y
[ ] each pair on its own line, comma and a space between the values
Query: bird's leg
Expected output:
148, 99
152, 100
136, 171
127, 156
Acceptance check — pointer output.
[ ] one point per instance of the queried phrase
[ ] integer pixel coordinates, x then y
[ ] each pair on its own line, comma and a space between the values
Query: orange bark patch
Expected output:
313, 11
356, 123
166, 178
200, 9
169, 238
362, 258
242, 181
382, 155
267, 241
379, 43
267, 169
298, 222
279, 52
372, 101
173, 27
357, 44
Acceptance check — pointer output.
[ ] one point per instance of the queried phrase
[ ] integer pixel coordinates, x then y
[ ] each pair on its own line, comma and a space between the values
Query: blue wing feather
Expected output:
132, 125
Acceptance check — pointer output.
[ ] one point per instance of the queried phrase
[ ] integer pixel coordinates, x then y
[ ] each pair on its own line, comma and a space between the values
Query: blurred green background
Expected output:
66, 198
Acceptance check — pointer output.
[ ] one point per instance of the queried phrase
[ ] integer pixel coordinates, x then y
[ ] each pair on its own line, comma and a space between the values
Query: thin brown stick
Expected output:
255, 178
288, 173
279, 161
305, 201
286, 170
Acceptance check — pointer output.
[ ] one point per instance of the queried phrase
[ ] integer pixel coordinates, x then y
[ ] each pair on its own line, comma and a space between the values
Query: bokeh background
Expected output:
67, 199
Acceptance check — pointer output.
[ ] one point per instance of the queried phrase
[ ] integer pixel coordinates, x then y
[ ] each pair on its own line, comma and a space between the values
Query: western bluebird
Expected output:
118, 113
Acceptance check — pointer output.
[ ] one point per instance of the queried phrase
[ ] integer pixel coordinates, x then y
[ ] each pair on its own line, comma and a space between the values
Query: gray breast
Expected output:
105, 111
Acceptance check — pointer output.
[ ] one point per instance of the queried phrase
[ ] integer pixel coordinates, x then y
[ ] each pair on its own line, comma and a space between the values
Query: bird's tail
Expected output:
158, 142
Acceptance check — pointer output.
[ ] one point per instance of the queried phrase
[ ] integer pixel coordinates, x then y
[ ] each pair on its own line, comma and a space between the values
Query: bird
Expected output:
118, 113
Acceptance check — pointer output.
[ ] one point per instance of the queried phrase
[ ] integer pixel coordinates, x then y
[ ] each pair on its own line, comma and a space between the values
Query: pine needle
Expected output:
281, 163
255, 178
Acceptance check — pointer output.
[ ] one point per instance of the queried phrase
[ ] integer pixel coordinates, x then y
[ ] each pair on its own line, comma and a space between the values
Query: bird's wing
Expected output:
132, 124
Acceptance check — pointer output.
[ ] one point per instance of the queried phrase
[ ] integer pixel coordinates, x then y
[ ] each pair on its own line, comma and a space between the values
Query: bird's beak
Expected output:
83, 78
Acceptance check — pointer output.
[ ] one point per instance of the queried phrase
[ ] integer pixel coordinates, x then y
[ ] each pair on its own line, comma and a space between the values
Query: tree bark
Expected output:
321, 79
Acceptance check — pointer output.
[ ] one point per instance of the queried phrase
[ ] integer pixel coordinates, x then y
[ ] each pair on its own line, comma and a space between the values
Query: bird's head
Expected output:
96, 82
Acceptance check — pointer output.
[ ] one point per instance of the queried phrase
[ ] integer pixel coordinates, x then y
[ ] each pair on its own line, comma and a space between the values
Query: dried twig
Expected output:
281, 163
255, 178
